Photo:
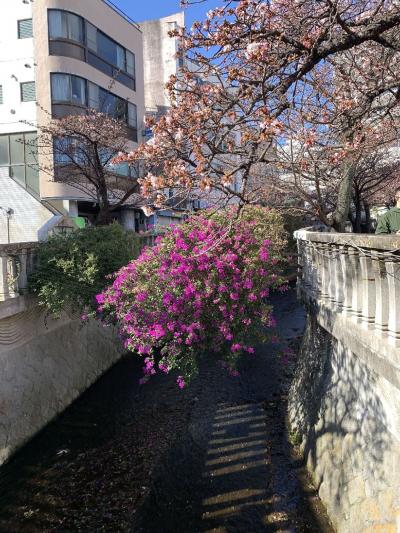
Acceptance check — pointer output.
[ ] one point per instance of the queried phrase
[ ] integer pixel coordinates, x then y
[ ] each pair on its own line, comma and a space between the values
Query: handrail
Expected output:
354, 275
362, 240
122, 13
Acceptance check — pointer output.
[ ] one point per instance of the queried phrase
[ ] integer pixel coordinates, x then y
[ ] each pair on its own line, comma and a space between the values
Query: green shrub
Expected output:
268, 223
73, 268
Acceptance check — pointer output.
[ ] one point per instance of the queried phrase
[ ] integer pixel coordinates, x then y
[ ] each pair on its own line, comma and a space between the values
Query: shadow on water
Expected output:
87, 423
233, 468
156, 459
246, 480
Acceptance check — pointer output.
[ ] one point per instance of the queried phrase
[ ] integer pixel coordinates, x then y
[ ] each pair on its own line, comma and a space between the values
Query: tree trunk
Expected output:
104, 216
367, 212
341, 213
358, 208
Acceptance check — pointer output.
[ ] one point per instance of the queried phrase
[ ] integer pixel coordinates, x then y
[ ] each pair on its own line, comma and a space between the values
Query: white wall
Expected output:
29, 214
159, 51
14, 55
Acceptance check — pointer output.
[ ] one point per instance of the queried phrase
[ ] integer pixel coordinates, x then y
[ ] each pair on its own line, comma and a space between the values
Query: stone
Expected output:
356, 491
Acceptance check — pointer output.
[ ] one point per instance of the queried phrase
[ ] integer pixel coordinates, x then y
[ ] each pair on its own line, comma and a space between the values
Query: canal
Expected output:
213, 458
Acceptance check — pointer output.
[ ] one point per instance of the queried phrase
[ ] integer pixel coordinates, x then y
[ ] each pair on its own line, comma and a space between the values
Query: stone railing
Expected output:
17, 261
355, 275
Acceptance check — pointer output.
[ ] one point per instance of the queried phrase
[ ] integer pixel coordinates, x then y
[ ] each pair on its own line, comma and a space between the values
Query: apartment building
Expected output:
160, 61
57, 57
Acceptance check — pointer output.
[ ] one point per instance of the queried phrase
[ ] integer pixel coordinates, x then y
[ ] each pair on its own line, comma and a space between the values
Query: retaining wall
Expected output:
344, 403
45, 364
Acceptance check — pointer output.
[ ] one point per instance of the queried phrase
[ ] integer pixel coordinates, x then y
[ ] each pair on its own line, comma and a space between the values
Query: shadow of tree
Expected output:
336, 412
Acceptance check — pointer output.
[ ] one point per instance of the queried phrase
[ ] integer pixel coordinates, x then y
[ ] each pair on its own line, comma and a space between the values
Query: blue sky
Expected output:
140, 10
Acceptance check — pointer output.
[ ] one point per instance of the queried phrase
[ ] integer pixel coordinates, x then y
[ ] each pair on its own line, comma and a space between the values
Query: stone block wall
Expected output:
344, 407
45, 364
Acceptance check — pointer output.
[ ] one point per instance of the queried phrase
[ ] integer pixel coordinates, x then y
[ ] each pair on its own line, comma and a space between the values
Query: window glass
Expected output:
78, 87
132, 115
60, 86
93, 95
32, 177
31, 148
75, 28
62, 149
120, 109
18, 173
4, 155
121, 58
58, 24
105, 101
106, 48
63, 25
122, 169
28, 91
17, 149
25, 30
91, 36
22, 157
130, 63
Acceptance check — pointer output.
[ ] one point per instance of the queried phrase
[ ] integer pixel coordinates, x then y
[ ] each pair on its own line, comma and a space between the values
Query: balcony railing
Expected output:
355, 275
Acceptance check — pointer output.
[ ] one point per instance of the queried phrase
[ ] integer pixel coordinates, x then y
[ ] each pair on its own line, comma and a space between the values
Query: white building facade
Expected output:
57, 56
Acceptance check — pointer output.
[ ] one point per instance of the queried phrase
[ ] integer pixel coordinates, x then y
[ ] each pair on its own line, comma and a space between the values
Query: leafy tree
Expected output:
73, 268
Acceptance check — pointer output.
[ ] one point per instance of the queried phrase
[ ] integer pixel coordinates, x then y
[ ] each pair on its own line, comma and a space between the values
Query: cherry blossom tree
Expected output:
264, 74
376, 178
79, 150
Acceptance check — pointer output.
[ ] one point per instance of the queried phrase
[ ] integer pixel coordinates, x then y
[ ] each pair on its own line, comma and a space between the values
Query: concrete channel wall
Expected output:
344, 404
45, 364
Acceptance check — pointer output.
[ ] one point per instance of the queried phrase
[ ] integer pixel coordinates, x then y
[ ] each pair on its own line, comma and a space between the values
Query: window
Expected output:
132, 116
69, 89
1, 94
18, 152
65, 25
25, 30
28, 91
112, 105
72, 36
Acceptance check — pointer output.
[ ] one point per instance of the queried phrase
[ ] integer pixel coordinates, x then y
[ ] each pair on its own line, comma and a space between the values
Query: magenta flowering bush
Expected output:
202, 288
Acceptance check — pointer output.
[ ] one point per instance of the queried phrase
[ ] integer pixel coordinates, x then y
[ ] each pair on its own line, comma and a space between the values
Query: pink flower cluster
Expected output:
202, 287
